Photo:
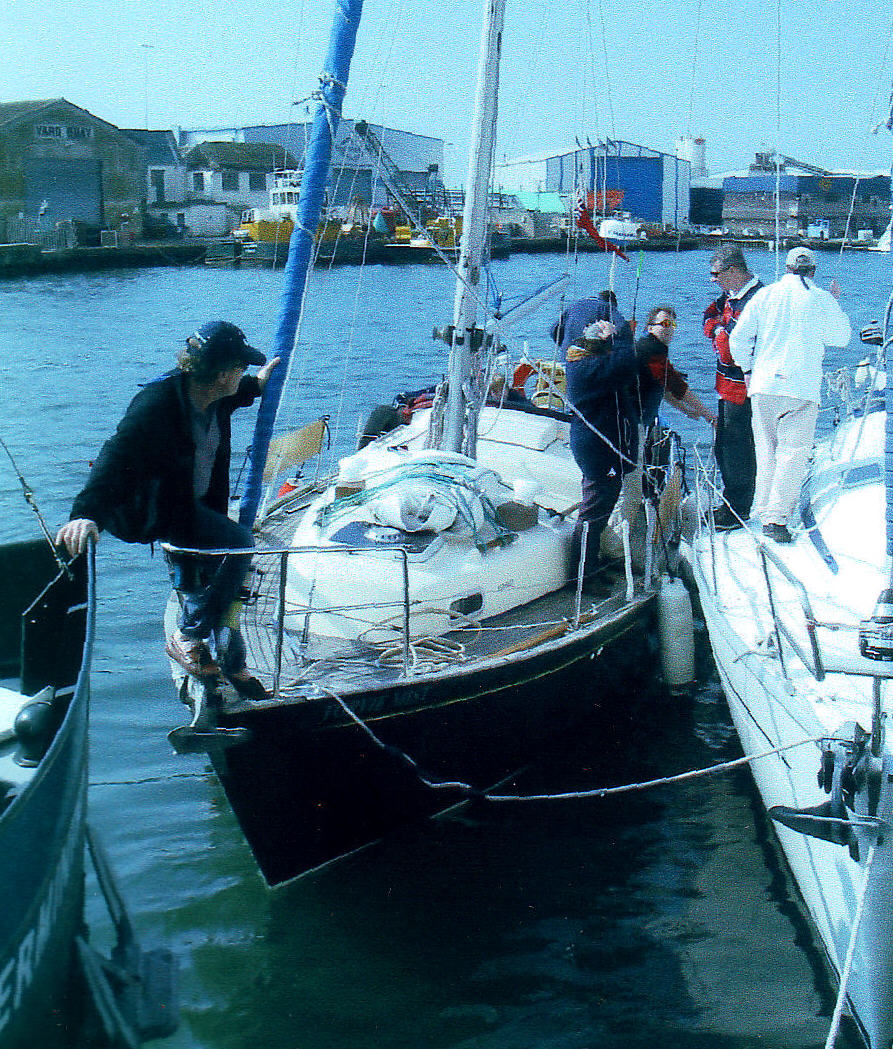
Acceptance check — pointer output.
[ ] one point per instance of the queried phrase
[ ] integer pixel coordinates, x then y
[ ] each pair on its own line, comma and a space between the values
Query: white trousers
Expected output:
783, 431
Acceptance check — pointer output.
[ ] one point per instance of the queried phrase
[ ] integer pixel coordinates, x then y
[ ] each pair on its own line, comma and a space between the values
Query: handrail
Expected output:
283, 553
817, 668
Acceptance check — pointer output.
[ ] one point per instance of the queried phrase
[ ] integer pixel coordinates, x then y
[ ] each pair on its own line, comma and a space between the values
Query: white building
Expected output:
355, 174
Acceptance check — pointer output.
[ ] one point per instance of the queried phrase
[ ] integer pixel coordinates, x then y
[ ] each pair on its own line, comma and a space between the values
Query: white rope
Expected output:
598, 792
427, 654
850, 954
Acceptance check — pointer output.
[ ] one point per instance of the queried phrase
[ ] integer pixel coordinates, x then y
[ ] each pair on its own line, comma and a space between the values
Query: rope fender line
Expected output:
850, 954
598, 792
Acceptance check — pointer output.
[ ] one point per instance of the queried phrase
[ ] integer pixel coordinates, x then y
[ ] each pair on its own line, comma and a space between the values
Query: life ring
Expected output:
522, 374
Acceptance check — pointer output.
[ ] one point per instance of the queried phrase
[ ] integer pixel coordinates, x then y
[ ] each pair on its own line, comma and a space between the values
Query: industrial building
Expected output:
812, 202
616, 176
356, 175
60, 165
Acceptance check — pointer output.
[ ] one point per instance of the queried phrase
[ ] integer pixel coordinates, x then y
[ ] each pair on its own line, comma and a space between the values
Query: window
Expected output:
48, 130
156, 179
257, 181
198, 181
229, 181
79, 133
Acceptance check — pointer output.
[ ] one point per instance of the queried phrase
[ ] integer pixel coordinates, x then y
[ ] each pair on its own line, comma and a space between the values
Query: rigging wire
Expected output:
28, 495
694, 67
777, 136
303, 352
882, 79
610, 100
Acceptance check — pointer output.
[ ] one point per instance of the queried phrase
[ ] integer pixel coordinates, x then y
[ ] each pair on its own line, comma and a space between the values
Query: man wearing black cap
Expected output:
164, 476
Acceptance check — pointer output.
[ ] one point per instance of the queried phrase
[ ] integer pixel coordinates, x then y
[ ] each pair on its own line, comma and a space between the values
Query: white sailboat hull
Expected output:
778, 702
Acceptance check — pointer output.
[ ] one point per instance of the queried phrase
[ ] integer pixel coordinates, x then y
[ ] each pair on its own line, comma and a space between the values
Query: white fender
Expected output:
675, 630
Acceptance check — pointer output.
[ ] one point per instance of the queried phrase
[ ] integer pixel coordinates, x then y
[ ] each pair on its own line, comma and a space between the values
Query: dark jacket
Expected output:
596, 386
141, 486
655, 376
569, 326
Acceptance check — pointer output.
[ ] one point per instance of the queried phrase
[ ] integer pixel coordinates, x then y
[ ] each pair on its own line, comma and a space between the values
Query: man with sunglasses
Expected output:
658, 380
733, 445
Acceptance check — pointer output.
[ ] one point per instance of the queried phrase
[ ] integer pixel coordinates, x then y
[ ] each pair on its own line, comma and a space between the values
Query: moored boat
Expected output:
419, 623
55, 989
804, 650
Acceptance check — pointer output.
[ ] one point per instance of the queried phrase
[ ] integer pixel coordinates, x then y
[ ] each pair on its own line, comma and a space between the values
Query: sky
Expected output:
808, 78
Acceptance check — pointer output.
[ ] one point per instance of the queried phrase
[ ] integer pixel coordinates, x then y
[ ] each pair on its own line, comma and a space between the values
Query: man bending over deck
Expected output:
164, 476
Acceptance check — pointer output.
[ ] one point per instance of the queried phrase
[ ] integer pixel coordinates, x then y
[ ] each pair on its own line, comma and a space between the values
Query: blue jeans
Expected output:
204, 604
602, 470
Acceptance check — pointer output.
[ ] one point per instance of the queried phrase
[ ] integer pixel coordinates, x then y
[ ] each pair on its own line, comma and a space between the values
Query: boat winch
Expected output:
34, 727
876, 633
851, 774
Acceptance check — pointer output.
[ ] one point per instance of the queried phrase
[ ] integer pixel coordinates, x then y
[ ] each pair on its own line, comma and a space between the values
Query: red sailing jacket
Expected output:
719, 319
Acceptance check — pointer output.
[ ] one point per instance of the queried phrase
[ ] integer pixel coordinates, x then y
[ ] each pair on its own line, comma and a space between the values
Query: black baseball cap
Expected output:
219, 342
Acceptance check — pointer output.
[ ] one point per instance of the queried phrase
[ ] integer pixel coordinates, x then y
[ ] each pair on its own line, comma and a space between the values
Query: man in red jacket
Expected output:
733, 444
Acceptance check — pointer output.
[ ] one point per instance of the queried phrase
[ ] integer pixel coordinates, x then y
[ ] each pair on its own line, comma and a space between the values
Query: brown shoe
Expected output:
192, 655
246, 685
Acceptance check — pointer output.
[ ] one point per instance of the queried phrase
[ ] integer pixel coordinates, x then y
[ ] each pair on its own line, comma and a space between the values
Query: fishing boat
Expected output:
55, 987
418, 622
802, 635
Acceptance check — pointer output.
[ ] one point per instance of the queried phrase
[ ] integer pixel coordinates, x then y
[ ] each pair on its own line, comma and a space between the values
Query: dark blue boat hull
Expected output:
311, 786
42, 831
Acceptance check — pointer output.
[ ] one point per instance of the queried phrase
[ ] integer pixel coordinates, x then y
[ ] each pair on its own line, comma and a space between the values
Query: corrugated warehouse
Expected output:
61, 164
622, 176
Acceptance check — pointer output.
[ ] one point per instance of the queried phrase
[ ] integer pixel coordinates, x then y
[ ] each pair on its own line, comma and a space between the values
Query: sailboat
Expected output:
802, 636
418, 623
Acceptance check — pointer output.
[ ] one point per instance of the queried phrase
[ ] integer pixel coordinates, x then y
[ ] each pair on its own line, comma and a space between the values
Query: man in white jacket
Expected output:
779, 343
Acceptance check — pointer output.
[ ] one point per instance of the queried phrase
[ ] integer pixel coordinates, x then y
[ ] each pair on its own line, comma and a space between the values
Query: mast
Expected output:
460, 415
317, 163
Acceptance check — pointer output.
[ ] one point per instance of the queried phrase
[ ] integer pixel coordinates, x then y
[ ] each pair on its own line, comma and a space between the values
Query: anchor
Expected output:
846, 770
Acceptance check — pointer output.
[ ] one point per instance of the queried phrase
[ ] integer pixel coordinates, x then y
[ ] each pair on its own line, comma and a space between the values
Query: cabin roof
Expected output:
161, 146
240, 156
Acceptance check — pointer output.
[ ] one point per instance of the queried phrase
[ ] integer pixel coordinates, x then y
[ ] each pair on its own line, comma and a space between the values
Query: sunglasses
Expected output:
716, 273
664, 324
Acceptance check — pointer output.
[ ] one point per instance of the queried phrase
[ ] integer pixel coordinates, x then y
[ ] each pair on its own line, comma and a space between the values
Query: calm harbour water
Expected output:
659, 918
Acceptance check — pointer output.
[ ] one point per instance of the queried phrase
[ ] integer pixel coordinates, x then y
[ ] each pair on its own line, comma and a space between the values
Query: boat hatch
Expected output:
373, 536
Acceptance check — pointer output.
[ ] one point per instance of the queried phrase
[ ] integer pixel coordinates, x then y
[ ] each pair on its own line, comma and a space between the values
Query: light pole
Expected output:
146, 49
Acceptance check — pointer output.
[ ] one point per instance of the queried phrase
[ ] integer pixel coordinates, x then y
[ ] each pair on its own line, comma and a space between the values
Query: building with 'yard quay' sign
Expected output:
60, 164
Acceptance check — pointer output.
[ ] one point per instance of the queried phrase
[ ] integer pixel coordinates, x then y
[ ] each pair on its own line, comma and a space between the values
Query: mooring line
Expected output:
598, 792
146, 779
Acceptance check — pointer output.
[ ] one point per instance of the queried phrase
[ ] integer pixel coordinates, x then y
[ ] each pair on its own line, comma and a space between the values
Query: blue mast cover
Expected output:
317, 162
888, 439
